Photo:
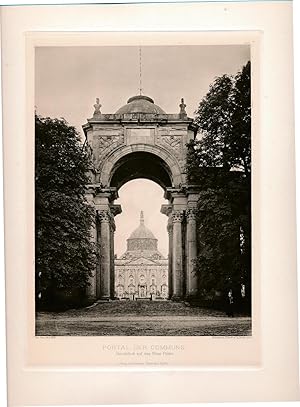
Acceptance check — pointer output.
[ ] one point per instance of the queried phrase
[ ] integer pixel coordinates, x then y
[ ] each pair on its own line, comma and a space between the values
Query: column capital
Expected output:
115, 209
191, 214
90, 189
166, 209
177, 216
104, 215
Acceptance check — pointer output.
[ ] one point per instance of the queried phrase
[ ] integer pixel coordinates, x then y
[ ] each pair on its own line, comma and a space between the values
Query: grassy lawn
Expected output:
141, 318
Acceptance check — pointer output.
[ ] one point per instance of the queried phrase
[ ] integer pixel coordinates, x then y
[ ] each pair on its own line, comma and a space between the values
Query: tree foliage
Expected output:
65, 255
219, 161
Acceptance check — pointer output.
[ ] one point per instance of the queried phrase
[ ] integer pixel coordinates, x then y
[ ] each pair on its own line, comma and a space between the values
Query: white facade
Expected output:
141, 272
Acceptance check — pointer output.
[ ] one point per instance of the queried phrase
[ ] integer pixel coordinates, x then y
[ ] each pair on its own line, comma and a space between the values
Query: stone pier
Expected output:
141, 140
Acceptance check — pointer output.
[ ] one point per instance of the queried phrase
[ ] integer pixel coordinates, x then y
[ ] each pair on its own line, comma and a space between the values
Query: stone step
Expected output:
147, 308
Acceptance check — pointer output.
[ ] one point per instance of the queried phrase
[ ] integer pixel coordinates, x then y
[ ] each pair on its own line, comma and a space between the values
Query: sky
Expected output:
136, 196
68, 80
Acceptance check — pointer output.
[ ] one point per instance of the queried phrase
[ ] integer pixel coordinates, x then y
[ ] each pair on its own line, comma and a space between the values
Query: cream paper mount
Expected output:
63, 370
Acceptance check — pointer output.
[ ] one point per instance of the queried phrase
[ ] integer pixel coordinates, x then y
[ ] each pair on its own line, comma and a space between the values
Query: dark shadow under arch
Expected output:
141, 165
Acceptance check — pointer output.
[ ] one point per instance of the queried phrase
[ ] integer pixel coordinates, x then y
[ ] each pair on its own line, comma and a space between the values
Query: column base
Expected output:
191, 297
176, 298
104, 299
91, 298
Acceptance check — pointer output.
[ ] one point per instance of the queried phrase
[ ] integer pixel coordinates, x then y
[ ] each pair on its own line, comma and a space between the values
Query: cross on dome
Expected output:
142, 218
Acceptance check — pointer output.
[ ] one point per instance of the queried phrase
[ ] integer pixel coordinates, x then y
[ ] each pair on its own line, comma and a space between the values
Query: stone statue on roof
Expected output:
182, 107
97, 107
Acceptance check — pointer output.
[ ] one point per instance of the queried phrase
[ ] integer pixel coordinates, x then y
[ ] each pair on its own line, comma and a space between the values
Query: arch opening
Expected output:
141, 243
141, 165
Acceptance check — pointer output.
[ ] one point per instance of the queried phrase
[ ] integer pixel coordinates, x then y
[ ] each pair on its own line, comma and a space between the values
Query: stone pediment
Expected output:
141, 260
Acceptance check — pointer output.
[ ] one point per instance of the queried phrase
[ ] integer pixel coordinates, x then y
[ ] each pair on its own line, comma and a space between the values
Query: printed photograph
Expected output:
143, 190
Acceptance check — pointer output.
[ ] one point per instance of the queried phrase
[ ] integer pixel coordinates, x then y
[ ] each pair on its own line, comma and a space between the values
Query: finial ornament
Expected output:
140, 55
142, 218
97, 107
182, 107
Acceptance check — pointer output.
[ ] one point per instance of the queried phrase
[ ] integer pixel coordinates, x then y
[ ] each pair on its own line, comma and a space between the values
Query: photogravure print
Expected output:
91, 314
143, 210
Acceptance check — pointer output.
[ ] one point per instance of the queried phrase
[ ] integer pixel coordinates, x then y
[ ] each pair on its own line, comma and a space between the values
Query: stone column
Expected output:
177, 259
167, 210
114, 210
192, 278
98, 267
105, 253
91, 290
170, 257
112, 257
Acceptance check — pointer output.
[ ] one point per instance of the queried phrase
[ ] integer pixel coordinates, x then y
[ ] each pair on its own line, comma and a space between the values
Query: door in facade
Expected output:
143, 292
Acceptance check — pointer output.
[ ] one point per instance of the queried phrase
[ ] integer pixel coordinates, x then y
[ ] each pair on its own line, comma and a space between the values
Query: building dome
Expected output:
141, 238
142, 233
140, 104
142, 243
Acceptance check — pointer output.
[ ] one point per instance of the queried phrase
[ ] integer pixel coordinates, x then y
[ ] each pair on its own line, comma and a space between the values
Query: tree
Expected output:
219, 161
65, 256
224, 120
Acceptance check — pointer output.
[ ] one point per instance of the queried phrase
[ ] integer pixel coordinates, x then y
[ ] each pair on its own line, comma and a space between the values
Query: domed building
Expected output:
140, 104
142, 271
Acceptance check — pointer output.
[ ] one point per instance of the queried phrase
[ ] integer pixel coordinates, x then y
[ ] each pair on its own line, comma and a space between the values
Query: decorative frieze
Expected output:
171, 142
103, 142
104, 145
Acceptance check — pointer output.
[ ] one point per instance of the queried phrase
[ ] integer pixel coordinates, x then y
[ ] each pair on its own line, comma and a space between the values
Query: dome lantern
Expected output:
142, 218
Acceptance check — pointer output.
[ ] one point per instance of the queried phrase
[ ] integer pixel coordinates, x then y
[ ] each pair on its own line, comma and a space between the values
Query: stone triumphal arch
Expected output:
140, 140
